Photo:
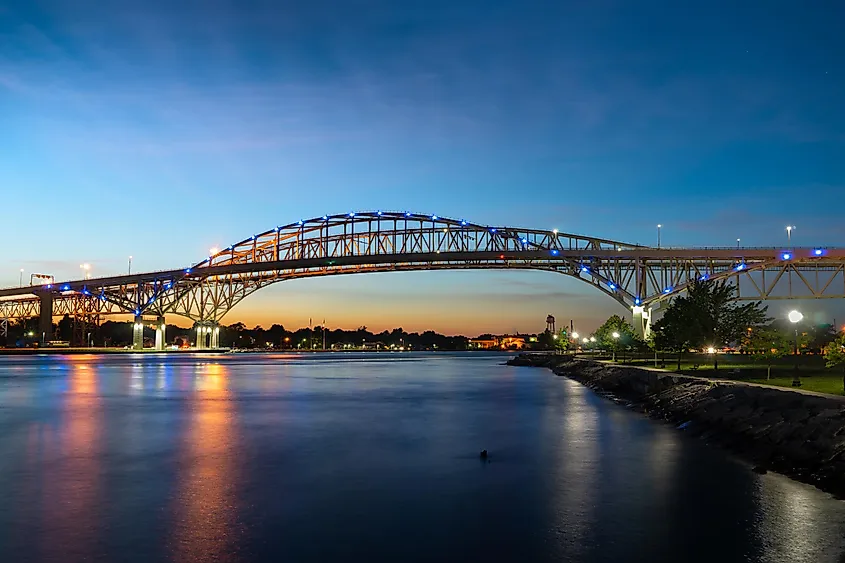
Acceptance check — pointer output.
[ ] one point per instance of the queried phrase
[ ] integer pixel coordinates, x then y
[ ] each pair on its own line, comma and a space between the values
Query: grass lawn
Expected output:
828, 383
814, 375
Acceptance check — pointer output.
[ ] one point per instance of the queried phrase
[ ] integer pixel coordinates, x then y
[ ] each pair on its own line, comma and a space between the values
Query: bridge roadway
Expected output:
636, 276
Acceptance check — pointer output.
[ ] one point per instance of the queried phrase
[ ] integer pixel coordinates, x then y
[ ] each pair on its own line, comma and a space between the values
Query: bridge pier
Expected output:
215, 336
208, 335
45, 316
160, 336
138, 334
642, 321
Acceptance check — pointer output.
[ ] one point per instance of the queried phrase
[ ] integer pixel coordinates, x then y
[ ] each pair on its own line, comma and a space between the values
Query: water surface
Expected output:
228, 458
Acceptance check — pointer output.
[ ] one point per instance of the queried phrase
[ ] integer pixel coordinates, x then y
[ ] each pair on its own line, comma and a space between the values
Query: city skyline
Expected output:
158, 132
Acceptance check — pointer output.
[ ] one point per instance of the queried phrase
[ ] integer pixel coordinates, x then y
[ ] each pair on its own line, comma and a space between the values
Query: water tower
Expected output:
550, 324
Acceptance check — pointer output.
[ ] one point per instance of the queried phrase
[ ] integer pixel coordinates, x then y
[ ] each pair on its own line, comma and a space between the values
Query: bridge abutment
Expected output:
642, 321
138, 334
45, 316
208, 335
160, 334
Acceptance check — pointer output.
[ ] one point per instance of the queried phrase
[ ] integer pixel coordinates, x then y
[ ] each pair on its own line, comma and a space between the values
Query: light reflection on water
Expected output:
205, 506
70, 482
313, 458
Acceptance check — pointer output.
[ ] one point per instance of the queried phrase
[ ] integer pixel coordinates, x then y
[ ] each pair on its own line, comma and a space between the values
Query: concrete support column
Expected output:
215, 335
201, 336
138, 334
45, 317
642, 322
160, 336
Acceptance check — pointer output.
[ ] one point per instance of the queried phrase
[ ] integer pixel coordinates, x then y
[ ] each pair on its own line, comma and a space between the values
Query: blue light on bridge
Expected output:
667, 290
464, 223
786, 256
554, 252
434, 217
66, 287
274, 230
378, 213
740, 267
525, 241
585, 269
818, 252
611, 285
637, 301
253, 237
137, 311
325, 217
352, 214
493, 230
49, 286
407, 214
301, 222
702, 277
85, 291
187, 270
102, 297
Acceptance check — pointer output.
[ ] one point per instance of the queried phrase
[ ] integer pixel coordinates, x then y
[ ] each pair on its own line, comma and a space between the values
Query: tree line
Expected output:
709, 317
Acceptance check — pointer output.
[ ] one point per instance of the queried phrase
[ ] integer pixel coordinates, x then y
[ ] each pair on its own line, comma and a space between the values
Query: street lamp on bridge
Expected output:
658, 234
86, 268
21, 278
130, 266
789, 230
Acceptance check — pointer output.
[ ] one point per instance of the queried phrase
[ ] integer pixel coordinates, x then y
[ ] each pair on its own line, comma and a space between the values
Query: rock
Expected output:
483, 454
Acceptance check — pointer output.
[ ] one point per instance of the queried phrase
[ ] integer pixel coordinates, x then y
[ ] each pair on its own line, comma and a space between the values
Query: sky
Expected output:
161, 129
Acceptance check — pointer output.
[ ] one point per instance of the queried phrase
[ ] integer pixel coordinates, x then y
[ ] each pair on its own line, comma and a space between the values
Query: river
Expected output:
343, 457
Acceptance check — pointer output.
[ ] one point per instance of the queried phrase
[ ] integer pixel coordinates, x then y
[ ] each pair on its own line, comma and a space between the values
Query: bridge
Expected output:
637, 277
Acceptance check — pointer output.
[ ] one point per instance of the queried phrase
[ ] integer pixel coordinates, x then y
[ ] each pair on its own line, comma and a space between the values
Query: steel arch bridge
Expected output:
638, 277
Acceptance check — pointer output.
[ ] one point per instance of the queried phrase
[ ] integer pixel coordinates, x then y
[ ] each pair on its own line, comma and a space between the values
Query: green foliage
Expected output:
834, 352
767, 345
627, 336
707, 316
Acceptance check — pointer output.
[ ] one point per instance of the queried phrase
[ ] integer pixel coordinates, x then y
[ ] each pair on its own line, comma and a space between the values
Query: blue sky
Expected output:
160, 129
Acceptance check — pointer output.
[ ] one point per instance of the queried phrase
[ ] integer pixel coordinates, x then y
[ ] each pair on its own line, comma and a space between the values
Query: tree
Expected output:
604, 334
768, 344
676, 331
709, 316
834, 353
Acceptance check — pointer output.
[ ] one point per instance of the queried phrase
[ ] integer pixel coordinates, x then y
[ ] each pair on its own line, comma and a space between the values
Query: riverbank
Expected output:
797, 433
66, 351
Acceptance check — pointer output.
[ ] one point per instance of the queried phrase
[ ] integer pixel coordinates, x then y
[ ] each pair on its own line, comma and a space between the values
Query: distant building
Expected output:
512, 342
483, 343
504, 342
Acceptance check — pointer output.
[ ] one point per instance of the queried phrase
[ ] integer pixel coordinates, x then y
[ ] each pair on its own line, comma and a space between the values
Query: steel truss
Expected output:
633, 275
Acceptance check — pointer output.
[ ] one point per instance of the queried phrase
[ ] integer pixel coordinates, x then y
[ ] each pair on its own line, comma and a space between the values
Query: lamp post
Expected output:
795, 317
86, 268
658, 234
737, 244
130, 266
21, 278
615, 336
789, 230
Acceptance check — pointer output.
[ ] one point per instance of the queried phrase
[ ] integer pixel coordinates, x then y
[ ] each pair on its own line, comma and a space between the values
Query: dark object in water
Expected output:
483, 454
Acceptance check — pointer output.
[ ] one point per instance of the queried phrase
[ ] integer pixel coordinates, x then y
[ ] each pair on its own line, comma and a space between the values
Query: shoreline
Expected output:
799, 434
67, 351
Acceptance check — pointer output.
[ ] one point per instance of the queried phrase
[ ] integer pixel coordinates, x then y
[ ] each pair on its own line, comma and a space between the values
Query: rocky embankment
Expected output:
801, 435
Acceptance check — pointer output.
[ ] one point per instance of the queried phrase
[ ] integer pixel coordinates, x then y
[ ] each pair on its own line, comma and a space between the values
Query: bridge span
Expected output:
637, 277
